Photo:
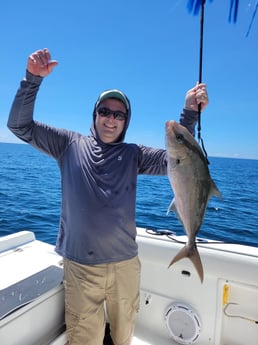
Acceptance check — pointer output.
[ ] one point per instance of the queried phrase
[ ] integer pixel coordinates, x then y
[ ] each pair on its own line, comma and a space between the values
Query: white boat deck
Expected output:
175, 307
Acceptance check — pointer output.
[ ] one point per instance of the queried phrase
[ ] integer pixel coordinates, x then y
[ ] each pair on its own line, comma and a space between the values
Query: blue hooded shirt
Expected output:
98, 181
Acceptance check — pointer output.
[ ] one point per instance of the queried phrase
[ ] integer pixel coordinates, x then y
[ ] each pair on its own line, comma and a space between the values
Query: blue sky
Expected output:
148, 49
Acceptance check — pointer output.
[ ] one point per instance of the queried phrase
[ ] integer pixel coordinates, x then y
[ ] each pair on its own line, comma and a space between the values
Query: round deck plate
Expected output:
183, 323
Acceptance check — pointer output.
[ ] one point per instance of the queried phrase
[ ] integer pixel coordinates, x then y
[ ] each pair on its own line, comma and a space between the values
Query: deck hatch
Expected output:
183, 323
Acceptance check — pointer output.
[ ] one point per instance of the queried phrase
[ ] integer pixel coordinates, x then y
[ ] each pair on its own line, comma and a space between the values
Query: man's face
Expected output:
108, 127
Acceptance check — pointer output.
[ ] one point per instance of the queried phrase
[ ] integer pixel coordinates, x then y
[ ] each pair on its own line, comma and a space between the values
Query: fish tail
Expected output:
193, 254
196, 260
183, 253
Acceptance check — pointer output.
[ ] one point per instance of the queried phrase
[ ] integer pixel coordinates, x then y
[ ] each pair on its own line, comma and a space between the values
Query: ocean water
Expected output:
30, 198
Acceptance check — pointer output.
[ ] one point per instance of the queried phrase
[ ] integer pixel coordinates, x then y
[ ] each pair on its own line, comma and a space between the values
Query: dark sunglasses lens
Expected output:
119, 115
105, 112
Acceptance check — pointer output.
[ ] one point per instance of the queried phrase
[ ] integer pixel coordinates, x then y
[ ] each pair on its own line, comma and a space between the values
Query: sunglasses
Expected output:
118, 115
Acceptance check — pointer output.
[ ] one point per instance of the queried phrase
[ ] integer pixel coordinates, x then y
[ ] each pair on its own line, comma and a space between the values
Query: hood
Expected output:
117, 94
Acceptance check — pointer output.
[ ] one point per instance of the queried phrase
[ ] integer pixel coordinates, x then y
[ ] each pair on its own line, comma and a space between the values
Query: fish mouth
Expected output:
173, 130
171, 126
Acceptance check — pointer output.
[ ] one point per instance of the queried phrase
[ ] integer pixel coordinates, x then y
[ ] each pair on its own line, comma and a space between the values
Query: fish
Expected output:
190, 179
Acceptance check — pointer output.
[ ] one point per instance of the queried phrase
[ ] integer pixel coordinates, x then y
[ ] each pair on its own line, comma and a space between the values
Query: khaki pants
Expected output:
87, 288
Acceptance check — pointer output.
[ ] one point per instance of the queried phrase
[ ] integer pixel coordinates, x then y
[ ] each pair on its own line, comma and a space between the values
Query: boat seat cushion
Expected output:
27, 290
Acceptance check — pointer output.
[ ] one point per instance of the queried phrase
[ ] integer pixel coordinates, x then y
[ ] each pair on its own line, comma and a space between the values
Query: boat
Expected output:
176, 308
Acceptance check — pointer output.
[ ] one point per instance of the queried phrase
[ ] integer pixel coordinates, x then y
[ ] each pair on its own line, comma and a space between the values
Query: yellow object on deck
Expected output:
225, 294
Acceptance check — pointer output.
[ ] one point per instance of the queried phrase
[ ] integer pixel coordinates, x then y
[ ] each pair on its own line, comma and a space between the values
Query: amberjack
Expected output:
192, 185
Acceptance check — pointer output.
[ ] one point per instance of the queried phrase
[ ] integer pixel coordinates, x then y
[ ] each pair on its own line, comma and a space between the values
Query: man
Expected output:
97, 224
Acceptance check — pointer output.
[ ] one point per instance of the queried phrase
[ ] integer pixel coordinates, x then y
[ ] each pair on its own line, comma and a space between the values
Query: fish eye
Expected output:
178, 161
180, 138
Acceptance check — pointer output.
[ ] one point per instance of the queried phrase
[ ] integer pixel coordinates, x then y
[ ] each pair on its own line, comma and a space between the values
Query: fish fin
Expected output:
214, 190
171, 207
193, 255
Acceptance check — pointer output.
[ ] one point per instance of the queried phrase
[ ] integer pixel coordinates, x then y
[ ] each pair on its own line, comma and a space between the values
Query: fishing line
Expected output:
200, 64
252, 19
200, 78
173, 237
198, 241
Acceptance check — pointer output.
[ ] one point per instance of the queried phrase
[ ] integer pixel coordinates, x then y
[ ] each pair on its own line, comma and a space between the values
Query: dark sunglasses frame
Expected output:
106, 112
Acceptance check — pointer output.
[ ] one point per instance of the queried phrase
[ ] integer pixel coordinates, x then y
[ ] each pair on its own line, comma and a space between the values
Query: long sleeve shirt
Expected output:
98, 181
